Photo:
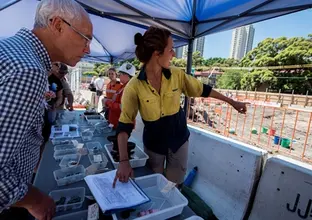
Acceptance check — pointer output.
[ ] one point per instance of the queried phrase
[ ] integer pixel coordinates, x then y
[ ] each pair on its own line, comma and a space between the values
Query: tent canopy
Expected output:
116, 22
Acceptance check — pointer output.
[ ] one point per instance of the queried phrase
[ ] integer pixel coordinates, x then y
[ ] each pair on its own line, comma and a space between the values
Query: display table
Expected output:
45, 181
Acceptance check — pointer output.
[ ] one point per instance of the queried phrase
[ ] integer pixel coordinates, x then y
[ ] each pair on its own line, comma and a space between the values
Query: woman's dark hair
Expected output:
154, 39
112, 69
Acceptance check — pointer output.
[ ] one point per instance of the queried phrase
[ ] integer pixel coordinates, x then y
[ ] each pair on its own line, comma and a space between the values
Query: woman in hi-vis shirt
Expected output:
110, 91
155, 92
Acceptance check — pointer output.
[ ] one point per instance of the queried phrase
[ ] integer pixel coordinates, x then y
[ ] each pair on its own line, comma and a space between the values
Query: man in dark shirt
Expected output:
56, 85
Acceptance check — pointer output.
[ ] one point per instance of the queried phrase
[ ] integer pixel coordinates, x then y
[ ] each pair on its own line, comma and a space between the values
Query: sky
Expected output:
293, 25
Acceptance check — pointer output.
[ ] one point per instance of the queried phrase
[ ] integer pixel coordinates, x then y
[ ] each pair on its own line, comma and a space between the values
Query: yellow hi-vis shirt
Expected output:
164, 120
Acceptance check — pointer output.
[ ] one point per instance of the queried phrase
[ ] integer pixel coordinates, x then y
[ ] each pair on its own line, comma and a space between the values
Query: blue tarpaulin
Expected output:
115, 21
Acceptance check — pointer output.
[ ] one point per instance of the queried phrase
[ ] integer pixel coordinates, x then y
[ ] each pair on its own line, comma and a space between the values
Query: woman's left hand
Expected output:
240, 106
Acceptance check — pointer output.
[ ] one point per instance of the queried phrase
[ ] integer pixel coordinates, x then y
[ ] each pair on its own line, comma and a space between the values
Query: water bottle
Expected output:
190, 177
53, 87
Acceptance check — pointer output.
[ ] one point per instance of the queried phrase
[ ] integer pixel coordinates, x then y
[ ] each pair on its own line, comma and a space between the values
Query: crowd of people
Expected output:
33, 86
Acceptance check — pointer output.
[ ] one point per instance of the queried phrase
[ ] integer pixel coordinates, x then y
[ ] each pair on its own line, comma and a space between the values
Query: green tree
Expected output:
280, 51
178, 62
230, 79
90, 73
255, 79
298, 80
197, 59
218, 61
100, 67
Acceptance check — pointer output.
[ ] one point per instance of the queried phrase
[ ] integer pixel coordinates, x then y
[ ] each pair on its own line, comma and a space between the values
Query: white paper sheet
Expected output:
63, 131
124, 195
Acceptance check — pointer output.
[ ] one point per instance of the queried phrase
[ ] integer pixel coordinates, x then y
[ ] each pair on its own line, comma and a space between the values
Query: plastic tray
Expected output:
65, 162
83, 128
56, 195
102, 164
94, 147
168, 204
139, 161
102, 128
81, 215
76, 174
194, 217
93, 119
61, 141
86, 135
58, 155
64, 147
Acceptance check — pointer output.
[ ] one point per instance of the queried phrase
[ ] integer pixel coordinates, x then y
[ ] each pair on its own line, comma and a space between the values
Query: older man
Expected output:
62, 32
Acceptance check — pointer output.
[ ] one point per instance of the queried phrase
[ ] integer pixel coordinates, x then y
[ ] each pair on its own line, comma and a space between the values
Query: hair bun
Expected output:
138, 38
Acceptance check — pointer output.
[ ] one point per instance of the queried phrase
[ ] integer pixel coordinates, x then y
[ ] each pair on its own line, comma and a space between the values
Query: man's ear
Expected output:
56, 24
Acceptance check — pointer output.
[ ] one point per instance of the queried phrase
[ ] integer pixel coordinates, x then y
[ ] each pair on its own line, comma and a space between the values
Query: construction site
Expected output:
279, 123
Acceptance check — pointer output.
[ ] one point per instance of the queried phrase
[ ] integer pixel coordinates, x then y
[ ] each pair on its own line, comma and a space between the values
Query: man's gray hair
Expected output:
66, 9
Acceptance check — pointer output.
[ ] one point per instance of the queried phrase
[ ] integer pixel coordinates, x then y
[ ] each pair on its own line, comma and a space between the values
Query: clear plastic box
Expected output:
69, 175
58, 155
102, 128
81, 215
94, 147
66, 195
98, 159
83, 128
70, 160
86, 135
67, 117
166, 204
140, 157
61, 141
94, 119
64, 147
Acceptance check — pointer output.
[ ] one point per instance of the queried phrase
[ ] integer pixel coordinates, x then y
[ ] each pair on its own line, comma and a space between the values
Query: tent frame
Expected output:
8, 4
188, 39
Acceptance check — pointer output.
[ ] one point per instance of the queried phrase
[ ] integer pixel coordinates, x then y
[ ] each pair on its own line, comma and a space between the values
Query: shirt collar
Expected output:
39, 48
142, 74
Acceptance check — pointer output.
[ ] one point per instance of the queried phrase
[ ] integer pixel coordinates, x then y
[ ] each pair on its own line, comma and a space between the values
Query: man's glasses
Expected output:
88, 40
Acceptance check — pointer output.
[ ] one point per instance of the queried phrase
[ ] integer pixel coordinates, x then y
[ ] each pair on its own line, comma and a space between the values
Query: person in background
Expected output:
58, 71
111, 89
66, 91
91, 85
126, 71
68, 97
99, 84
62, 32
155, 92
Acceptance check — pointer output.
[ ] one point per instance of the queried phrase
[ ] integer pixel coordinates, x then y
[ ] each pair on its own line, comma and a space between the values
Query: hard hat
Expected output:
127, 68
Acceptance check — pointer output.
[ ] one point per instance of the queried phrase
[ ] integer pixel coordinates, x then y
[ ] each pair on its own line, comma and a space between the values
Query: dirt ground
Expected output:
294, 127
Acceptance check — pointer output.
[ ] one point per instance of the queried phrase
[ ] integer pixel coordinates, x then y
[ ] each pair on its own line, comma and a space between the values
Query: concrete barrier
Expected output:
284, 191
228, 172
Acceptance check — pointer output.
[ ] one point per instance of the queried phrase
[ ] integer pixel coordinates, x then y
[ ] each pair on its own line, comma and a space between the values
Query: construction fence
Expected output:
277, 97
268, 125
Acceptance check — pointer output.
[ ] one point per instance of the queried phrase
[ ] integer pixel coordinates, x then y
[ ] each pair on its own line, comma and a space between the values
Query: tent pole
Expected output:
190, 50
188, 68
